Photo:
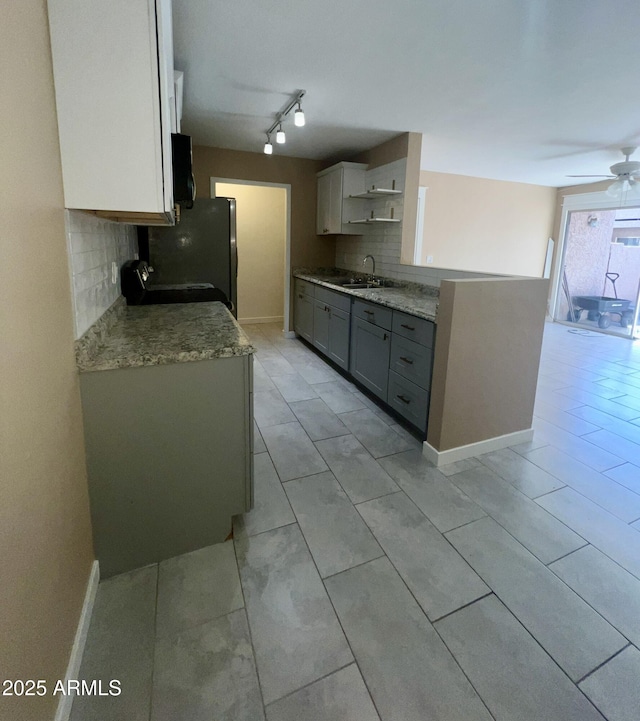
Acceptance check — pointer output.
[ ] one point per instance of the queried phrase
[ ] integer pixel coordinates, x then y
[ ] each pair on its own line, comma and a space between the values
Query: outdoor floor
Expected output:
367, 585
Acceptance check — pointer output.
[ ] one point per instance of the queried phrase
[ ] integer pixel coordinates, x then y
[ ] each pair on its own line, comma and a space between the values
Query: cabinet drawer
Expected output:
331, 297
372, 313
304, 287
416, 329
407, 399
411, 360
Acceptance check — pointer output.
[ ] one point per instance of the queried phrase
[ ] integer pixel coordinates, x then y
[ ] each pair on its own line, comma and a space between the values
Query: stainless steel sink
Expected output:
358, 285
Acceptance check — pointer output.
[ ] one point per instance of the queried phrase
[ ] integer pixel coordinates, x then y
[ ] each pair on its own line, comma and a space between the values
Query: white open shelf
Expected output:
377, 193
374, 220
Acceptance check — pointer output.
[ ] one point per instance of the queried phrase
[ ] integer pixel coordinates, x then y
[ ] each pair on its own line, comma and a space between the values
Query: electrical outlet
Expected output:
114, 272
429, 259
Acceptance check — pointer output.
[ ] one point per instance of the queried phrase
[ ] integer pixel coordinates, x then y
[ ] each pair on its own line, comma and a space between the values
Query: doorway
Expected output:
262, 231
599, 279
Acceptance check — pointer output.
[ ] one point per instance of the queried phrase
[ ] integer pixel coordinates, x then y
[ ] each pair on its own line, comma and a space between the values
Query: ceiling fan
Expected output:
626, 174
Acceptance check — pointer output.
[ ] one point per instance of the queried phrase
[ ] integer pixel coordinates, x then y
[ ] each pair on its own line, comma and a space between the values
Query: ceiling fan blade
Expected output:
591, 176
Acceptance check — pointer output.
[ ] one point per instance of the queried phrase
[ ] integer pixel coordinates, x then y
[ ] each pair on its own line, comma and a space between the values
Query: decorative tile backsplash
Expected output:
383, 241
94, 245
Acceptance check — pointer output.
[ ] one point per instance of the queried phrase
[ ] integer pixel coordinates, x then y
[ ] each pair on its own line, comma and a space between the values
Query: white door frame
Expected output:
580, 201
287, 251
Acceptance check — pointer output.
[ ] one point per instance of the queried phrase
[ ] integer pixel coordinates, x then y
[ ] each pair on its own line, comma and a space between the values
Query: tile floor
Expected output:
366, 584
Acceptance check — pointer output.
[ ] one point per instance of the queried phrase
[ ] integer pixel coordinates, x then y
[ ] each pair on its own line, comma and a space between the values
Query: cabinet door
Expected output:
329, 209
321, 326
339, 337
324, 204
112, 100
303, 316
369, 362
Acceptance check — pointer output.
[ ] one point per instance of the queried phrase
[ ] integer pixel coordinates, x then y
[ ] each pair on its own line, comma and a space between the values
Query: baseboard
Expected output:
268, 319
441, 458
75, 659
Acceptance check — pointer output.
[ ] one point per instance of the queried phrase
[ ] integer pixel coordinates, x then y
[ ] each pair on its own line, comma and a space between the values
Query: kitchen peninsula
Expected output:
467, 387
168, 417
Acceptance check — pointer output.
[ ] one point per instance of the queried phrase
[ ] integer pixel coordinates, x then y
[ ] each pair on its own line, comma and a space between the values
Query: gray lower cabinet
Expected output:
303, 302
169, 457
369, 363
339, 321
321, 326
408, 399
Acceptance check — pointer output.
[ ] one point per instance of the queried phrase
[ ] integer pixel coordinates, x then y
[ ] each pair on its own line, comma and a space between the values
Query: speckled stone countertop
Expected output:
161, 334
418, 300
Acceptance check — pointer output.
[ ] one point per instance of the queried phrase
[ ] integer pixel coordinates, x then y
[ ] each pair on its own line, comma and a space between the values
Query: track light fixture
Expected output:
298, 120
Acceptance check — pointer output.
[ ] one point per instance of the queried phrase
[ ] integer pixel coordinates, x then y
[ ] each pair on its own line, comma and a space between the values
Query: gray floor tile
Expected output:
197, 587
270, 409
450, 469
524, 448
516, 679
606, 532
580, 449
358, 473
444, 504
562, 419
413, 442
338, 397
296, 636
627, 475
603, 404
258, 443
294, 387
604, 585
636, 525
342, 696
631, 402
271, 508
293, 454
622, 447
541, 533
613, 497
337, 537
120, 646
318, 420
409, 671
615, 688
207, 672
261, 381
625, 429
552, 613
521, 473
374, 434
315, 371
277, 366
438, 577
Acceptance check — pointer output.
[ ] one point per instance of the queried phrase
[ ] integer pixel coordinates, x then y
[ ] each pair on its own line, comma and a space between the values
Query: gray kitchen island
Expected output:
168, 420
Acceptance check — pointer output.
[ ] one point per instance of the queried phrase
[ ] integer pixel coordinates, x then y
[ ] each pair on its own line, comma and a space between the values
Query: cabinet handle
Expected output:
406, 360
403, 399
385, 336
368, 312
300, 295
408, 327
325, 230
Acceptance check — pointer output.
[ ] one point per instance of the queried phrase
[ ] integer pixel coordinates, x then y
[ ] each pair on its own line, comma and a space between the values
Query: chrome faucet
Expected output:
373, 265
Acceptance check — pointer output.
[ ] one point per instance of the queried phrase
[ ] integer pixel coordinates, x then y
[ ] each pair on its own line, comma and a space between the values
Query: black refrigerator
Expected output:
198, 254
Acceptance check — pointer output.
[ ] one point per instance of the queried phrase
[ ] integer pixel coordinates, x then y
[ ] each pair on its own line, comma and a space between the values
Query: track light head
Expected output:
280, 136
268, 148
298, 117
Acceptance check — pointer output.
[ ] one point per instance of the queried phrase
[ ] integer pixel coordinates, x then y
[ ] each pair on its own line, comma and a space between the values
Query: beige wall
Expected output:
261, 225
45, 534
483, 225
487, 354
307, 249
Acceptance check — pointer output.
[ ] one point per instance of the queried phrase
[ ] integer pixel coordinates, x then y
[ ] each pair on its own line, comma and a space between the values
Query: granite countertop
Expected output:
418, 300
146, 335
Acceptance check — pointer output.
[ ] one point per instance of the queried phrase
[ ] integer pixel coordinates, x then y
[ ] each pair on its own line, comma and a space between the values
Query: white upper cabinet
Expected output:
336, 208
114, 85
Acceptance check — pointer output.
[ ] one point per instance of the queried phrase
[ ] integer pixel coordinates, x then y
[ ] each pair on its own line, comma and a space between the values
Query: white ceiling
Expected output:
524, 90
